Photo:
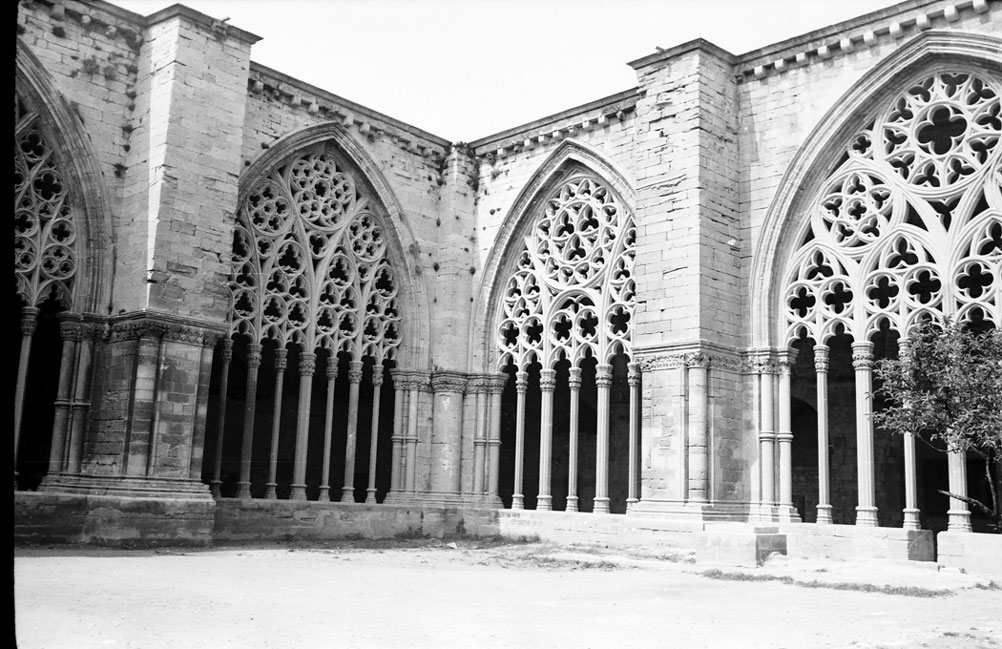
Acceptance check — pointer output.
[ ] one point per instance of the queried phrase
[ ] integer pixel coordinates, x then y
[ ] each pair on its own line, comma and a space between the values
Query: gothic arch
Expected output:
75, 159
929, 52
570, 157
414, 308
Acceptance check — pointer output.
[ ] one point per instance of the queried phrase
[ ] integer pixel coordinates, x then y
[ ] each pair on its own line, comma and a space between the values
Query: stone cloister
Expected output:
249, 306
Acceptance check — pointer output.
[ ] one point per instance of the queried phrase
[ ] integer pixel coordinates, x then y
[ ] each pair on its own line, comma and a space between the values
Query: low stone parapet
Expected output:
972, 552
848, 542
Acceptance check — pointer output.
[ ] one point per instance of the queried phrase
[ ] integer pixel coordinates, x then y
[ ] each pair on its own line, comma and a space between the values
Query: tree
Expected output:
946, 388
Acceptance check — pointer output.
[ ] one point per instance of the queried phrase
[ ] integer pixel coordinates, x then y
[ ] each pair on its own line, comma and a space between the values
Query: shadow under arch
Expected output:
928, 52
75, 158
568, 158
415, 314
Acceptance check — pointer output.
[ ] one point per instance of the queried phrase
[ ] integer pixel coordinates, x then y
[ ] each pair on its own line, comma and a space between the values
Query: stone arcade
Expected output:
250, 308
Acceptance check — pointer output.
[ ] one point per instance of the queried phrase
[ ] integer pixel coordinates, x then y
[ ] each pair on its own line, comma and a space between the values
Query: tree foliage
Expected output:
946, 388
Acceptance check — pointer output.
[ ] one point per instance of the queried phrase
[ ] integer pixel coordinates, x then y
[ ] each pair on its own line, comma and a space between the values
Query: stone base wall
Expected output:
848, 542
975, 553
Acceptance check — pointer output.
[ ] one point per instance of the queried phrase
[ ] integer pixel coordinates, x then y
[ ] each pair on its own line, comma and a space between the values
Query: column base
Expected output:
824, 515
572, 504
370, 496
911, 521
866, 516
544, 503
631, 503
215, 488
600, 505
959, 520
347, 495
244, 490
271, 493
517, 501
325, 493
298, 492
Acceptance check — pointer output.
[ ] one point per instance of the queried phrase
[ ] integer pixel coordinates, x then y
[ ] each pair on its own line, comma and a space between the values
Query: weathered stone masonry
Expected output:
175, 164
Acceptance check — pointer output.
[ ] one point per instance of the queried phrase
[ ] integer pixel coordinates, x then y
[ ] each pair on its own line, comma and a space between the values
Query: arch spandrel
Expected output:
840, 144
377, 229
511, 247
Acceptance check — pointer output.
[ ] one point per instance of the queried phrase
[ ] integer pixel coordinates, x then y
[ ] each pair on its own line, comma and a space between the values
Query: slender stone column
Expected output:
911, 511
767, 437
574, 383
862, 363
325, 480
70, 331
29, 320
521, 385
821, 370
250, 407
81, 400
377, 383
603, 379
697, 449
494, 439
397, 438
217, 462
354, 379
785, 435
410, 470
307, 367
959, 517
633, 379
547, 384
281, 362
480, 420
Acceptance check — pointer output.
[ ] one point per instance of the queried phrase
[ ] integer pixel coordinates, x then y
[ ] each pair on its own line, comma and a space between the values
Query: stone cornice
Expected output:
445, 381
146, 324
689, 354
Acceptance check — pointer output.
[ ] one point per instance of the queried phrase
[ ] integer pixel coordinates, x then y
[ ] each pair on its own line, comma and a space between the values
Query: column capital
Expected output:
821, 357
698, 360
281, 358
443, 381
71, 326
29, 320
633, 373
521, 381
377, 377
786, 359
862, 356
307, 363
355, 371
603, 375
227, 350
547, 380
254, 355
574, 378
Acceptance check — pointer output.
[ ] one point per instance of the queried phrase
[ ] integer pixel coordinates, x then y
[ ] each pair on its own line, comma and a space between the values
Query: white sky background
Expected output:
467, 69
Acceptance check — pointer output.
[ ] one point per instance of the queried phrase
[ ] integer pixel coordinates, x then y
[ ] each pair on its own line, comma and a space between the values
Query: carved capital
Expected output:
862, 356
307, 363
281, 358
697, 360
633, 374
821, 358
521, 381
71, 327
29, 320
332, 369
227, 350
448, 382
377, 379
182, 333
603, 375
355, 371
574, 378
661, 362
547, 380
253, 356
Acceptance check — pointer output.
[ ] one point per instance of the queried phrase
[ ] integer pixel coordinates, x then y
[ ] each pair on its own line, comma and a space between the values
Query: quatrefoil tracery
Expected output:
45, 256
909, 224
571, 294
308, 232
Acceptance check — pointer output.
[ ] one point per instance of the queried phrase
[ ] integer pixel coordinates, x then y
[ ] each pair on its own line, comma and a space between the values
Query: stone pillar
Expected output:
603, 381
547, 384
200, 412
698, 426
377, 383
70, 331
307, 366
397, 437
226, 356
29, 320
281, 362
250, 406
325, 479
862, 363
767, 436
410, 471
494, 440
81, 397
447, 432
911, 511
481, 414
784, 437
821, 370
521, 385
351, 435
959, 517
574, 383
633, 379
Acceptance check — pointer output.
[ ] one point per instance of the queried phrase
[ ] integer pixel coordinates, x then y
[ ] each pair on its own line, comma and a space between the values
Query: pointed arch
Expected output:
931, 52
76, 160
569, 158
412, 296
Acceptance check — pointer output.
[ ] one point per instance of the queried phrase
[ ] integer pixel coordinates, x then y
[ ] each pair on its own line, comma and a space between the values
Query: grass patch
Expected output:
906, 591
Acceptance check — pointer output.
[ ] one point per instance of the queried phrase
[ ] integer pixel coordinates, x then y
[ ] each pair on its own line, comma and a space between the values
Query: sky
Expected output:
464, 70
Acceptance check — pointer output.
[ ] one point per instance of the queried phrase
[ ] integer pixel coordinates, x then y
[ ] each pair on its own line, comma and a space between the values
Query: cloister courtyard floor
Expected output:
472, 593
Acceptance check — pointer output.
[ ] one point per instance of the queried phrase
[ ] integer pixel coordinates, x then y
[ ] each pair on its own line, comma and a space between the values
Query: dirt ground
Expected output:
471, 594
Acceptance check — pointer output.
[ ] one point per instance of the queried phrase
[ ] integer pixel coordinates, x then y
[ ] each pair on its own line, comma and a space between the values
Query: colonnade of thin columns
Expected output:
547, 385
307, 369
73, 388
487, 390
866, 510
